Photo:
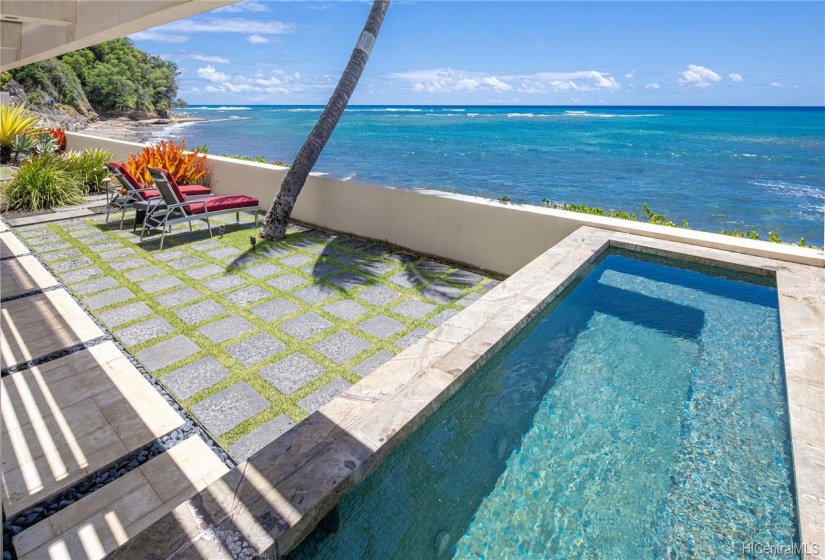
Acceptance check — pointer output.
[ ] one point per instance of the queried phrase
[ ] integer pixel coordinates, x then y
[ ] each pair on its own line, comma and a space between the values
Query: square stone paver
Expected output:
258, 438
351, 243
200, 311
247, 295
263, 270
402, 258
490, 285
292, 373
178, 297
381, 326
195, 377
104, 246
160, 284
373, 362
315, 293
167, 353
468, 300
96, 285
287, 282
222, 412
242, 261
464, 278
377, 250
414, 309
407, 279
224, 252
305, 326
275, 309
143, 273
147, 330
440, 292
296, 261
54, 256
377, 295
128, 264
204, 271
224, 283
226, 328
117, 254
185, 262
170, 254
347, 280
433, 268
319, 270
106, 299
350, 259
66, 266
345, 309
124, 314
322, 396
411, 338
341, 346
377, 268
255, 348
207, 245
81, 275
443, 317
275, 252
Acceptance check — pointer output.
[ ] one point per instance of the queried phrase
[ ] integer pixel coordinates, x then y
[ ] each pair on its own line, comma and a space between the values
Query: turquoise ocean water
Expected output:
719, 168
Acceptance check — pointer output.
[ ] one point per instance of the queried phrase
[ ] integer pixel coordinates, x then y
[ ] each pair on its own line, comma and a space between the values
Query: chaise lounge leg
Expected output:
208, 226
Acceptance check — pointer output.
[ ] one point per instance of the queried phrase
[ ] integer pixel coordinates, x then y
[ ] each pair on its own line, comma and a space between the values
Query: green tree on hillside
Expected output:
114, 77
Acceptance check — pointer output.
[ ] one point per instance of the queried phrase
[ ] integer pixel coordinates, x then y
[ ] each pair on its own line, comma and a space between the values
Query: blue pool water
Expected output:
718, 167
643, 416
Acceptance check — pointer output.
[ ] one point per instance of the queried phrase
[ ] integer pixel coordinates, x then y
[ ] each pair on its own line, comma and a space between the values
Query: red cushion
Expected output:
223, 203
187, 190
172, 184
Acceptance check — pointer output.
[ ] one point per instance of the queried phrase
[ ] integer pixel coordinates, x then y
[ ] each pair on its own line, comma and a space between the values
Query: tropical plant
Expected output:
89, 168
14, 120
277, 218
59, 136
23, 144
44, 144
773, 237
42, 183
186, 168
752, 234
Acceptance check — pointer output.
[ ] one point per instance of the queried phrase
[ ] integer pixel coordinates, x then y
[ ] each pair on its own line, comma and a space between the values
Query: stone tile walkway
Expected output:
23, 275
277, 331
72, 416
123, 508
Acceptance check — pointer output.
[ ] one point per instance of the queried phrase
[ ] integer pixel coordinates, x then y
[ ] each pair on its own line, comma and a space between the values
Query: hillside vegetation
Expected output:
110, 79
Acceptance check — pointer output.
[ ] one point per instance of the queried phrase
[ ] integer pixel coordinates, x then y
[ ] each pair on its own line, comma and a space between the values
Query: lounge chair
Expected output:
135, 192
177, 208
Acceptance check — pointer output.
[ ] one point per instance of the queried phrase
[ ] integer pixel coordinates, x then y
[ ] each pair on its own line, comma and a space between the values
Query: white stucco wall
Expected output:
485, 234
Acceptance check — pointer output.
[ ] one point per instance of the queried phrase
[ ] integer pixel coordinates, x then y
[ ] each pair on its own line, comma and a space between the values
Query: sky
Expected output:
503, 52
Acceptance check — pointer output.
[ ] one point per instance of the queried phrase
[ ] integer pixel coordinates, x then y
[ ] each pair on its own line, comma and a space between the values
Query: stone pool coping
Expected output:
273, 500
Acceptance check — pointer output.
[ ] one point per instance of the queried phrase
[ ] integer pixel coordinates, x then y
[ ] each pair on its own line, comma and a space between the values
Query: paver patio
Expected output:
277, 331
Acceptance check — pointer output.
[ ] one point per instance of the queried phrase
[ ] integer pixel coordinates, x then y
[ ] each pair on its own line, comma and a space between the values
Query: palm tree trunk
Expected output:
276, 220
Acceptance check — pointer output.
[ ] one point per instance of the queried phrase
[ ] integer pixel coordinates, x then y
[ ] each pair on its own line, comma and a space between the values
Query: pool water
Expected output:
642, 416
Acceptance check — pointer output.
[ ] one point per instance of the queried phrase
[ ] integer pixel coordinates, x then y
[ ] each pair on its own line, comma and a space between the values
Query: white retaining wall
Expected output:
482, 233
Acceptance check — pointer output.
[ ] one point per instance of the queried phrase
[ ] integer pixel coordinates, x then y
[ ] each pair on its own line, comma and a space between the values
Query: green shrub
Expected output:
42, 183
88, 168
44, 144
773, 237
22, 144
752, 234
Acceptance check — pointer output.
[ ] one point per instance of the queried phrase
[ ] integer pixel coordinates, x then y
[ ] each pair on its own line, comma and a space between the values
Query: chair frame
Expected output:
172, 210
121, 202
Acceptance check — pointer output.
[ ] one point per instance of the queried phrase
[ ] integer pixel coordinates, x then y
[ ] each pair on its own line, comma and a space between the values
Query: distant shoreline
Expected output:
129, 130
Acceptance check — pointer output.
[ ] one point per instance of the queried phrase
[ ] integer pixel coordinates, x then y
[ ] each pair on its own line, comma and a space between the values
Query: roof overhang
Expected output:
32, 30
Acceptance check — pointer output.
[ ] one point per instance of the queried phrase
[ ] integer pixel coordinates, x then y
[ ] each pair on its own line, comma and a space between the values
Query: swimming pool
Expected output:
642, 415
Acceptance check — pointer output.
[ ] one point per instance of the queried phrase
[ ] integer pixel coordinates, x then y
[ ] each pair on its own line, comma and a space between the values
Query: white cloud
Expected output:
179, 31
777, 84
214, 59
736, 77
629, 75
158, 37
246, 6
447, 80
257, 39
652, 85
209, 73
698, 76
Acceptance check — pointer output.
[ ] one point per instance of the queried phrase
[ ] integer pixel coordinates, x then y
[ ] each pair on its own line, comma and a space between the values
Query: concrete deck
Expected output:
23, 275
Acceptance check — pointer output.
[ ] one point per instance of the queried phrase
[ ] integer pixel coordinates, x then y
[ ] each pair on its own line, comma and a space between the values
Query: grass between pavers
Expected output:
299, 241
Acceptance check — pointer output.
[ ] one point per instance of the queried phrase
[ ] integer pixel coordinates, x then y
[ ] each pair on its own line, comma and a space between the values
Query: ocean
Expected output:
717, 168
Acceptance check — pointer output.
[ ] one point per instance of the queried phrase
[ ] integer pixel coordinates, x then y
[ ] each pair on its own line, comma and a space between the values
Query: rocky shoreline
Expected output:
130, 130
